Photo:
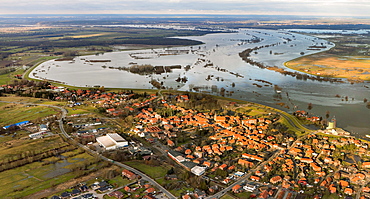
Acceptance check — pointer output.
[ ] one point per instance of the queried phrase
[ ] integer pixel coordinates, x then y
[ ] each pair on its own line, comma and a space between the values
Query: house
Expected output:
366, 165
366, 189
150, 190
276, 179
65, 195
43, 127
223, 167
127, 189
75, 192
348, 191
237, 188
84, 188
264, 194
226, 181
255, 178
199, 193
187, 196
116, 194
105, 188
213, 189
249, 187
332, 189
149, 196
128, 174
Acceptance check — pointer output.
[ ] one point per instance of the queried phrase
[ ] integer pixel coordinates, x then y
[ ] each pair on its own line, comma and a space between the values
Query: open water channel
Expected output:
216, 64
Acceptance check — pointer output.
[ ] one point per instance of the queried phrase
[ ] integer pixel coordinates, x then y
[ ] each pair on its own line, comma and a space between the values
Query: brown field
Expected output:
354, 68
22, 29
90, 35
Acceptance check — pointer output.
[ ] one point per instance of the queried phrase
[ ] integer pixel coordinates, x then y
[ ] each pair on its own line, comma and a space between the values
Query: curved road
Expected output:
64, 113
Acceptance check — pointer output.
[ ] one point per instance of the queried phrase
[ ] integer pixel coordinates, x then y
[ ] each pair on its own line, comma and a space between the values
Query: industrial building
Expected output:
112, 141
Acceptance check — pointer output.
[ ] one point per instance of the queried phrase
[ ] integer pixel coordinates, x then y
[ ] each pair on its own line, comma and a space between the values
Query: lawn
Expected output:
331, 196
8, 78
152, 171
253, 110
243, 194
80, 110
227, 196
119, 181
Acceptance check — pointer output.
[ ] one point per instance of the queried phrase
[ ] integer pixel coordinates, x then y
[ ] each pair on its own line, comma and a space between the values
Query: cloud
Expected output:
304, 7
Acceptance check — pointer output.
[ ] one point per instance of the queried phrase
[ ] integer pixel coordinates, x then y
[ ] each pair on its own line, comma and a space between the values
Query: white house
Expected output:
249, 188
112, 141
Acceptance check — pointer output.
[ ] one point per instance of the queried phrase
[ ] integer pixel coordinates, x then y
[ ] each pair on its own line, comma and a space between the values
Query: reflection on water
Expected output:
58, 168
216, 66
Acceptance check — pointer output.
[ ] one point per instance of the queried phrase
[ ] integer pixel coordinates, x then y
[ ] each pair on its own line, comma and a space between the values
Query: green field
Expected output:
21, 113
152, 171
33, 177
19, 147
226, 196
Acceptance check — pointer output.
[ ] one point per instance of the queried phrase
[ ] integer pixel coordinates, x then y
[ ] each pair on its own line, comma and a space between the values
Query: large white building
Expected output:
112, 141
197, 170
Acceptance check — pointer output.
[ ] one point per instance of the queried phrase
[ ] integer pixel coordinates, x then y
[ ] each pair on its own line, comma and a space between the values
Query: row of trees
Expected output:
27, 158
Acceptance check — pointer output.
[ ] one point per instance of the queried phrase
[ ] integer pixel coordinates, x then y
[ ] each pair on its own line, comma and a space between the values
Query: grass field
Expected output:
252, 110
331, 196
17, 147
154, 172
226, 196
33, 177
21, 113
350, 67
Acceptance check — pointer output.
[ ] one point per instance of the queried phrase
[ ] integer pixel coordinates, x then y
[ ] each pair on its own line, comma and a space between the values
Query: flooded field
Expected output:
217, 68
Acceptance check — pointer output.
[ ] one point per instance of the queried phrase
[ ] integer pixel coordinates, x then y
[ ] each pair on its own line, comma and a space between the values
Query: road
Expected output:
65, 134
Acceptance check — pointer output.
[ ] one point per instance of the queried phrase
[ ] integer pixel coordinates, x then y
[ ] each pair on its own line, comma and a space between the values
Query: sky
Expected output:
240, 7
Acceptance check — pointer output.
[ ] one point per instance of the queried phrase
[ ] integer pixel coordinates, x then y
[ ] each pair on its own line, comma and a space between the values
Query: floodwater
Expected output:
217, 64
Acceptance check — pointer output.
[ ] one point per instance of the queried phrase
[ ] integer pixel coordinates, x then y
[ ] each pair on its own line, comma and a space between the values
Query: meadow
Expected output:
349, 59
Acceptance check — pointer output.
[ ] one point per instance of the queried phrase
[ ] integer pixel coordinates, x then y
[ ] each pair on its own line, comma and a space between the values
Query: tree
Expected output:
170, 171
309, 106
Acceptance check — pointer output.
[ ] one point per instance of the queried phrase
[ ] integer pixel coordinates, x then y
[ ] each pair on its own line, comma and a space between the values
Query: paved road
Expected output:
65, 134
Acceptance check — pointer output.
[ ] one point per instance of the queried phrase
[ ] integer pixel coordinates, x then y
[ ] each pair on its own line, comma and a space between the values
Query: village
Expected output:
241, 148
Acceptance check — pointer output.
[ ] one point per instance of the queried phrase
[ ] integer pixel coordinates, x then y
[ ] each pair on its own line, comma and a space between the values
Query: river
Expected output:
217, 64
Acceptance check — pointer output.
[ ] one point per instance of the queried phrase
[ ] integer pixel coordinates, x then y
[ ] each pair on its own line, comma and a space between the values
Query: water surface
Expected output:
217, 64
